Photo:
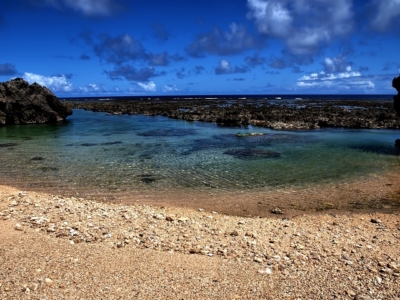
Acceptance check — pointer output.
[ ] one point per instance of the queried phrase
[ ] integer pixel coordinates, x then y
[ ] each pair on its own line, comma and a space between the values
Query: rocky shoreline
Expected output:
54, 247
300, 114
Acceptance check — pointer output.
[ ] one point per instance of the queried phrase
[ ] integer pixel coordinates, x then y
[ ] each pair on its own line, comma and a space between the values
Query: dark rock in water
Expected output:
48, 169
147, 178
89, 144
252, 153
168, 132
24, 103
37, 158
112, 143
397, 143
396, 85
6, 145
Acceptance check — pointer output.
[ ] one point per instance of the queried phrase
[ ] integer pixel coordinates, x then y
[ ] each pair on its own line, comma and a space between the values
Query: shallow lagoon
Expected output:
122, 153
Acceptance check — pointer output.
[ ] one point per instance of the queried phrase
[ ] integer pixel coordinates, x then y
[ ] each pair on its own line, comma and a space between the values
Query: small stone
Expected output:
201, 209
169, 218
194, 251
376, 221
158, 217
48, 281
346, 257
258, 260
378, 279
242, 222
234, 233
393, 266
18, 227
351, 293
276, 211
13, 203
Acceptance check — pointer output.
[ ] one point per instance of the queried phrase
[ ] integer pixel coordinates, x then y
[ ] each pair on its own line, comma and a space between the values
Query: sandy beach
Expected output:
55, 247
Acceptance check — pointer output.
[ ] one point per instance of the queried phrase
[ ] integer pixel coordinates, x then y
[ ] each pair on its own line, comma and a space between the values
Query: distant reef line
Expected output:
288, 115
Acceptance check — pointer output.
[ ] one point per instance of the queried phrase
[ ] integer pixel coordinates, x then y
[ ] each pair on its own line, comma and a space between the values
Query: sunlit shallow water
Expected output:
121, 153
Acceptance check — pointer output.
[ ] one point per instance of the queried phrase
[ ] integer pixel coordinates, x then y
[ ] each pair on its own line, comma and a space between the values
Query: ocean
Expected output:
122, 153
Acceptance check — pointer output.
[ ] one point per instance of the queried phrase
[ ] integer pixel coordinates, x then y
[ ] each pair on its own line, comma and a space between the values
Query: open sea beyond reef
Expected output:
122, 153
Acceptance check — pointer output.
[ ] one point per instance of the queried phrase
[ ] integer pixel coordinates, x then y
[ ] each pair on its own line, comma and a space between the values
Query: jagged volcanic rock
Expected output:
24, 103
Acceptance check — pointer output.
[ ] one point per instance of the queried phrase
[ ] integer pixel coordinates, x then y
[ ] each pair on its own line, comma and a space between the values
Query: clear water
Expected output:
122, 153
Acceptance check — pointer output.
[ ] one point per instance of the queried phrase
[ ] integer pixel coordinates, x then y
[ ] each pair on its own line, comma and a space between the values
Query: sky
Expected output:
80, 48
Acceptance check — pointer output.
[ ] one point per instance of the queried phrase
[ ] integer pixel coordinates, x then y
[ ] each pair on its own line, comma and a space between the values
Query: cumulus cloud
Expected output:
161, 59
92, 88
235, 40
124, 48
305, 26
336, 64
254, 60
181, 73
54, 83
225, 67
148, 86
198, 70
170, 88
336, 76
7, 70
386, 12
91, 8
132, 74
119, 49
279, 63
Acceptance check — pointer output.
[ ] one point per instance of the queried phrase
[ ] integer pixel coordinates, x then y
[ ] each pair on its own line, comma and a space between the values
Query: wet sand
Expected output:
374, 193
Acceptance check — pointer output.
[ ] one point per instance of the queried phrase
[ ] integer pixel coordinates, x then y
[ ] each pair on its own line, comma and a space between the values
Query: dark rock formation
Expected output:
301, 114
22, 103
396, 85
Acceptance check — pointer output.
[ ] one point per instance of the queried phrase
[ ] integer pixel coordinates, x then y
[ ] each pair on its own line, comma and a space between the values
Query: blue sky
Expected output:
120, 47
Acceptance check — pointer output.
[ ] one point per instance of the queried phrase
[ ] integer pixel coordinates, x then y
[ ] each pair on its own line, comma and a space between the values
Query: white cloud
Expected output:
304, 26
336, 64
87, 7
224, 67
385, 12
272, 17
170, 88
347, 80
54, 83
148, 87
92, 88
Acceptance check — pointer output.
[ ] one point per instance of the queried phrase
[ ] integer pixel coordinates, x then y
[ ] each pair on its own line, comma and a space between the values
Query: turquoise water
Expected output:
122, 153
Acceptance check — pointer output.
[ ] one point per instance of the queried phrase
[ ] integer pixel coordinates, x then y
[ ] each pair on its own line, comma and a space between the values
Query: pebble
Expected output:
258, 260
48, 281
376, 221
18, 227
276, 211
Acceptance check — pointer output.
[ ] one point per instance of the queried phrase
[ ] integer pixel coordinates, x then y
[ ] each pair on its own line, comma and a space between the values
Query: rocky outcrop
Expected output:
24, 103
396, 85
302, 114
